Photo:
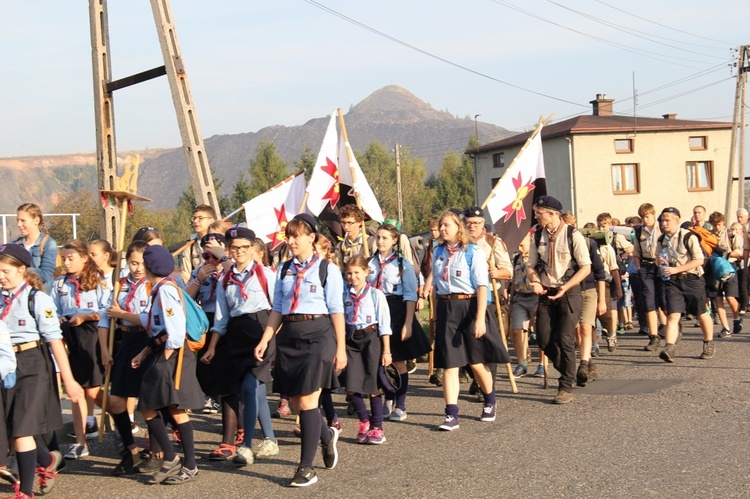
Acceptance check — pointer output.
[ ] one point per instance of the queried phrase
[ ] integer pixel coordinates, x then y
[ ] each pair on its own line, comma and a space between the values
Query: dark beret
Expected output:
240, 233
142, 232
158, 260
548, 202
212, 236
672, 210
18, 252
473, 212
308, 220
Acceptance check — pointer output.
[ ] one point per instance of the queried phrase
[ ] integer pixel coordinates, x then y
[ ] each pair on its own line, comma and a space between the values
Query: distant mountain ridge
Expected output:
389, 115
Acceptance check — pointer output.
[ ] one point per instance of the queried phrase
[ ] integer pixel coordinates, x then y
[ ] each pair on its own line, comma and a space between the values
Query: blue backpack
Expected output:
720, 267
469, 255
196, 323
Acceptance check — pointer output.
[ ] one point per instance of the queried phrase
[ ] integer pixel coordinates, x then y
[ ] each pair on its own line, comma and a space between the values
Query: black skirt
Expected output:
363, 355
304, 357
455, 344
417, 345
157, 387
214, 377
84, 354
126, 381
32, 407
243, 335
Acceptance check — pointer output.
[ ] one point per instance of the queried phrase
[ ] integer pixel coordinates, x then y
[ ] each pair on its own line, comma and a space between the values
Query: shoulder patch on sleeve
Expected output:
48, 313
169, 312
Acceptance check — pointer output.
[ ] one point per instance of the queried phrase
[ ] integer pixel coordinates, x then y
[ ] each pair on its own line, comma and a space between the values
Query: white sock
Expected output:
132, 417
90, 420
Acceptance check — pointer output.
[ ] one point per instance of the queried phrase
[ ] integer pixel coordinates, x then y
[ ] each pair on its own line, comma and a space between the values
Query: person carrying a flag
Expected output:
558, 262
352, 217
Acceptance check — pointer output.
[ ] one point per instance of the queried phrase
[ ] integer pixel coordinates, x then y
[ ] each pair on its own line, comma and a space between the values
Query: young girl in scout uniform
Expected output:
81, 299
310, 346
131, 302
243, 304
465, 333
166, 325
368, 332
394, 275
38, 243
32, 403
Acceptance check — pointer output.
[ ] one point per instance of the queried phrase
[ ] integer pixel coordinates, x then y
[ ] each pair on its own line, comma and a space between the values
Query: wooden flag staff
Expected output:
350, 157
124, 194
540, 124
501, 322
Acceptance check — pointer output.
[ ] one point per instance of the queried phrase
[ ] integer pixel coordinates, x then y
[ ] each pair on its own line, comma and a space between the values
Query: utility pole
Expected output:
737, 141
399, 192
104, 87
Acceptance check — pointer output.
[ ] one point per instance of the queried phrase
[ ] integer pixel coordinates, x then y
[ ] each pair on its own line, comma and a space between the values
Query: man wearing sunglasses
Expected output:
190, 258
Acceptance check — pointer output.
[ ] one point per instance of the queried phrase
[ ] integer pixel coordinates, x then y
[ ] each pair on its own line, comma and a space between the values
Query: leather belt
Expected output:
457, 296
301, 317
132, 329
22, 347
525, 295
372, 328
159, 340
682, 276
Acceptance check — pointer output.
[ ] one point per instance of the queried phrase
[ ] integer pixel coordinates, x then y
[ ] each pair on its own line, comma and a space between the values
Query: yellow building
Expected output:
607, 163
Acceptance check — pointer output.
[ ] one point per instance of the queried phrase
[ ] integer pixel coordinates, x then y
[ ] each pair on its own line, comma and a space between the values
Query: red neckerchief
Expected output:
379, 278
357, 300
8, 300
76, 286
131, 293
450, 251
216, 278
301, 270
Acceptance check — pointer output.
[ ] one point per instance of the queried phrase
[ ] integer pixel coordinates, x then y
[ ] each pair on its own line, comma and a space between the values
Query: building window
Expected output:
700, 175
698, 143
498, 160
623, 146
625, 179
495, 181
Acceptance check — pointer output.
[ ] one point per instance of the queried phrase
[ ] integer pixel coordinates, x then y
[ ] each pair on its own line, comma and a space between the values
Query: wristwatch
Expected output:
223, 259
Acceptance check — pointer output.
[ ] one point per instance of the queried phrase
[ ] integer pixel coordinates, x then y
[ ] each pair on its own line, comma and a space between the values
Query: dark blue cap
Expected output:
240, 233
548, 202
158, 260
18, 252
308, 220
212, 236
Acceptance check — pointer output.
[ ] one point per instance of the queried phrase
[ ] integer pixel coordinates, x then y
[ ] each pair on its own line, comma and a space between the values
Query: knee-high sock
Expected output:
376, 406
157, 429
188, 444
359, 406
309, 423
26, 466
401, 392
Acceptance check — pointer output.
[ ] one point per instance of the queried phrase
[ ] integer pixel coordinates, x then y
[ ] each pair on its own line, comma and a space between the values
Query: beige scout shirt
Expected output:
609, 260
554, 268
496, 256
736, 244
679, 254
647, 245
189, 259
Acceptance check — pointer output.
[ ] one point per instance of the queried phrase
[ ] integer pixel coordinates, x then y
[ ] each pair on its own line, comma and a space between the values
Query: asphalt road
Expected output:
644, 429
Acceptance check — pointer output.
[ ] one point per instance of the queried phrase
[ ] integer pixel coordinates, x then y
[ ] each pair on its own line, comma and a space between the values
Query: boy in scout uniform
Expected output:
684, 286
645, 252
558, 262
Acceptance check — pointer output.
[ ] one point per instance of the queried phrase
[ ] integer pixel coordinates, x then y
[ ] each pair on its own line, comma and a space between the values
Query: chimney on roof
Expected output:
602, 106
669, 116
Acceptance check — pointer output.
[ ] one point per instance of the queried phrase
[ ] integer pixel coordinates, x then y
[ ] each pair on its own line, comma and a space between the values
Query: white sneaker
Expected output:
244, 456
388, 408
267, 449
77, 451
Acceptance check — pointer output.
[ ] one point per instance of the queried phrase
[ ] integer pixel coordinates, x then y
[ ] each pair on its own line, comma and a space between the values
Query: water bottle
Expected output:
665, 258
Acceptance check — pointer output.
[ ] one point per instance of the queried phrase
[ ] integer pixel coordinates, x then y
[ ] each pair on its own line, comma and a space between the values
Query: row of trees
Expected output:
423, 195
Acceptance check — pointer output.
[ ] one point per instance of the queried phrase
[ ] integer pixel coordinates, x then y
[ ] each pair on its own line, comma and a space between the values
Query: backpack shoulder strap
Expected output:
285, 268
322, 271
32, 300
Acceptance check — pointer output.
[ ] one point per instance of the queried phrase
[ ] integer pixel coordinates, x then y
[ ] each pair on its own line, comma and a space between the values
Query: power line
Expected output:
663, 25
434, 56
642, 52
630, 31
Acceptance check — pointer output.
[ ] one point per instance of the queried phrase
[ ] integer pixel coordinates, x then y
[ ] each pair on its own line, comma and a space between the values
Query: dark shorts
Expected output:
455, 344
650, 287
685, 295
730, 288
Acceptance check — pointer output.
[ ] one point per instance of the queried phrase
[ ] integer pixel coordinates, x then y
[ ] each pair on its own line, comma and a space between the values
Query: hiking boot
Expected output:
520, 371
436, 378
450, 424
654, 342
737, 328
330, 451
303, 477
593, 371
708, 350
725, 333
582, 375
563, 397
185, 475
267, 448
667, 355
612, 343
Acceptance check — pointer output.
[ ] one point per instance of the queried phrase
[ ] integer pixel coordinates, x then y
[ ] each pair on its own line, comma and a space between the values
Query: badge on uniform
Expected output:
63, 293
144, 303
348, 303
157, 320
313, 288
48, 313
104, 285
90, 304
458, 273
169, 312
21, 322
369, 319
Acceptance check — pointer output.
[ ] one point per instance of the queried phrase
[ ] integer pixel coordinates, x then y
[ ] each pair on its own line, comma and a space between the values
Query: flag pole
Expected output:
350, 157
540, 124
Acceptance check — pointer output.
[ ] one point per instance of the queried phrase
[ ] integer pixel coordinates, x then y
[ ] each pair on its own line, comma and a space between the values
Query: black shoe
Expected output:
92, 431
411, 366
582, 376
168, 468
436, 378
474, 388
149, 463
7, 475
303, 477
654, 342
128, 464
737, 328
329, 450
667, 355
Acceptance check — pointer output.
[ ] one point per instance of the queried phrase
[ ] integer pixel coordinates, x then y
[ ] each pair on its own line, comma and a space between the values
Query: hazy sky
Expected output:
253, 64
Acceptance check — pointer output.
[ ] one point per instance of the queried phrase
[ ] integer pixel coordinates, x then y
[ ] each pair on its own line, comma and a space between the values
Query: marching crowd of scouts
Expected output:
323, 317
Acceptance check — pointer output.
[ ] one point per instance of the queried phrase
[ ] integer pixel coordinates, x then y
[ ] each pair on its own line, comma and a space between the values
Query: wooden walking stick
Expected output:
178, 371
431, 355
509, 368
124, 194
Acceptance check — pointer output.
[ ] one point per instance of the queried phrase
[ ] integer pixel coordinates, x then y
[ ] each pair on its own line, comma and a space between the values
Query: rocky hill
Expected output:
390, 115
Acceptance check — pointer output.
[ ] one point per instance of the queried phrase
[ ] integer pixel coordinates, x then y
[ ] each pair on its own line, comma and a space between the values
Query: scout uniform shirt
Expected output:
678, 254
71, 300
24, 327
312, 297
609, 260
555, 268
384, 275
166, 314
133, 298
366, 308
243, 294
451, 273
7, 355
206, 296
646, 247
